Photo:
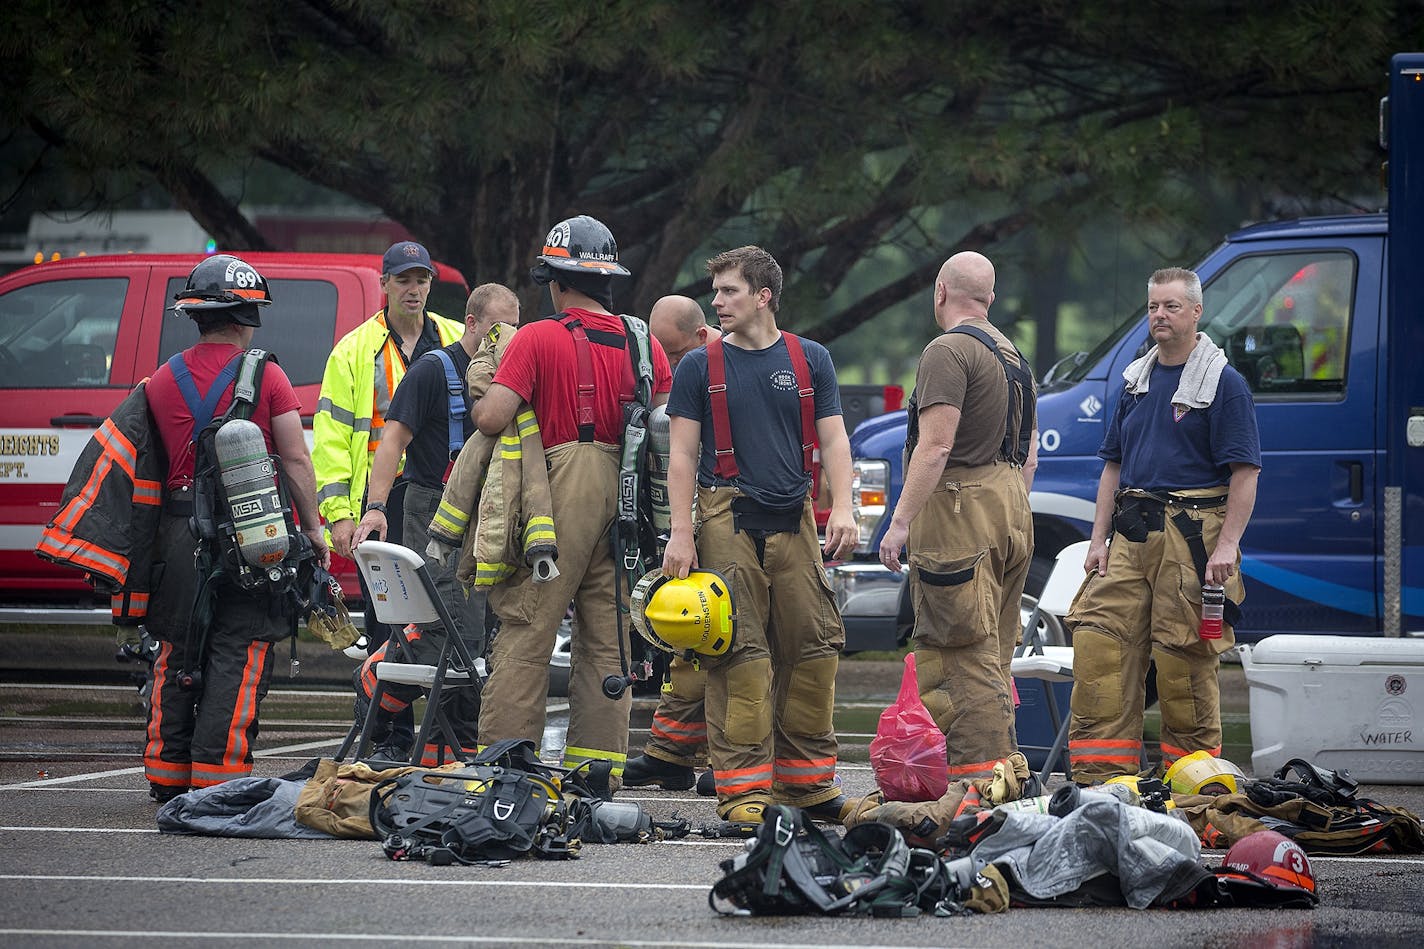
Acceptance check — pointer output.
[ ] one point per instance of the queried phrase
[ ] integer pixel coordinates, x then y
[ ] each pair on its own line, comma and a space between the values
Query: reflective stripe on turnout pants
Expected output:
583, 485
679, 730
770, 699
1147, 608
969, 552
204, 736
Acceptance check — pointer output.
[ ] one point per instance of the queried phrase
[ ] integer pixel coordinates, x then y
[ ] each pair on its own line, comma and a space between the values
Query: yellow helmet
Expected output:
1201, 772
686, 617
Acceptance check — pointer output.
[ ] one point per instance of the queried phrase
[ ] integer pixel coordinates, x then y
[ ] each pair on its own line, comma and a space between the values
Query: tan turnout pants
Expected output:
583, 484
970, 548
770, 698
1147, 608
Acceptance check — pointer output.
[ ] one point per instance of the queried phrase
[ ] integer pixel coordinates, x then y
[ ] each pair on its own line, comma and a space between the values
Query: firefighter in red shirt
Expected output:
206, 689
575, 370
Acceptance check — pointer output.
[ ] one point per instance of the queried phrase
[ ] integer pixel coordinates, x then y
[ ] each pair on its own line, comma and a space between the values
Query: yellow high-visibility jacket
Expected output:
514, 513
362, 372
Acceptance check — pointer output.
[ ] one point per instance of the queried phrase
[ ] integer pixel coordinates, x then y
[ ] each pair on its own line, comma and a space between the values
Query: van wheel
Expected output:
1051, 630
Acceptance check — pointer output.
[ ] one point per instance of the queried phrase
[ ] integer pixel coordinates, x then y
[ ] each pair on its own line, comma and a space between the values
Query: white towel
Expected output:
1199, 377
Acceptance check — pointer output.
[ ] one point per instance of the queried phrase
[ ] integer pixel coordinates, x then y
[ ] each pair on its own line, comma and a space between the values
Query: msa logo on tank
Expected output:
784, 379
249, 480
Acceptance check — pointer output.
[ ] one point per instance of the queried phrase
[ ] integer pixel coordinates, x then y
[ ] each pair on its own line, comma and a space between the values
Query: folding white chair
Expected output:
403, 592
1052, 664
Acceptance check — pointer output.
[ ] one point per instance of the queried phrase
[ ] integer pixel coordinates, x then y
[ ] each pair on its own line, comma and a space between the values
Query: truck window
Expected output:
299, 326
1284, 322
60, 334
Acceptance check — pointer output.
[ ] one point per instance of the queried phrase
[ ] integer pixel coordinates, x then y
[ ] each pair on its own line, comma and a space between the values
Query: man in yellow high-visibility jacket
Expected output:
362, 372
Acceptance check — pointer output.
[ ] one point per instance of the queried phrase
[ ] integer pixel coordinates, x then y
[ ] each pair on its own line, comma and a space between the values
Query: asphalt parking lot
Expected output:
83, 863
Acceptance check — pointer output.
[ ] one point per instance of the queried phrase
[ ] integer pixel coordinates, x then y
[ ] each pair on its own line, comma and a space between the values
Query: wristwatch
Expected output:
377, 506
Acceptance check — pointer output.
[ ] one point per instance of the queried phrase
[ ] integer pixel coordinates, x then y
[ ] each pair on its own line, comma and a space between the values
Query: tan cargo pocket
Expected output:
952, 597
514, 600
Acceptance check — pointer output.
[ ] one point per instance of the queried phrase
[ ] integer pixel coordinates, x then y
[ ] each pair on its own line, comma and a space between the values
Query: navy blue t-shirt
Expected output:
765, 414
1163, 447
422, 404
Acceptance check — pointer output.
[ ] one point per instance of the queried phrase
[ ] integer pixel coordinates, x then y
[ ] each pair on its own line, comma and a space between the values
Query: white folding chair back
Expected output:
403, 593
392, 572
1065, 580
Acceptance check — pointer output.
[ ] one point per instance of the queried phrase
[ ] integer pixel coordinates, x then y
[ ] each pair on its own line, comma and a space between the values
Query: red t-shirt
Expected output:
175, 423
541, 365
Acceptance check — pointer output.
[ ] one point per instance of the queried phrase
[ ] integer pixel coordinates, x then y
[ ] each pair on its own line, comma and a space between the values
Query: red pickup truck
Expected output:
76, 336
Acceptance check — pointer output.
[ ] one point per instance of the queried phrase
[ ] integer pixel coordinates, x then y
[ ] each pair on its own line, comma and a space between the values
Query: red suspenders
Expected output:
584, 407
721, 422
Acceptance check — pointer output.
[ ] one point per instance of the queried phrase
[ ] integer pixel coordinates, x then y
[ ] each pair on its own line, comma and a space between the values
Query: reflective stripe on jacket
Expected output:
108, 514
514, 522
351, 409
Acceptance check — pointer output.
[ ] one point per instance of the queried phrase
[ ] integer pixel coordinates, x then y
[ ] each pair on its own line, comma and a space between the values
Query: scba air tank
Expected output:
249, 479
659, 450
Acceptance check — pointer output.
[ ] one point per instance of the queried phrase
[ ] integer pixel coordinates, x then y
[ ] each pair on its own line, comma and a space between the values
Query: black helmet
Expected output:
225, 282
582, 245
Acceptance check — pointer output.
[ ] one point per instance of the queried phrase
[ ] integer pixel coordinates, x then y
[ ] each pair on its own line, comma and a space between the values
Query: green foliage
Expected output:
860, 141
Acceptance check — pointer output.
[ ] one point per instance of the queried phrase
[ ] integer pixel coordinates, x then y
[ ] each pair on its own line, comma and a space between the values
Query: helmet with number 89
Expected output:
224, 282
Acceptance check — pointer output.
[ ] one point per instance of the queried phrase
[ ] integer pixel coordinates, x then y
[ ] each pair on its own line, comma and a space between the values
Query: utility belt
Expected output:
178, 502
757, 520
1138, 513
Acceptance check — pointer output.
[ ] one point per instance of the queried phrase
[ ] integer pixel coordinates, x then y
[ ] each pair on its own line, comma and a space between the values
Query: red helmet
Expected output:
1273, 860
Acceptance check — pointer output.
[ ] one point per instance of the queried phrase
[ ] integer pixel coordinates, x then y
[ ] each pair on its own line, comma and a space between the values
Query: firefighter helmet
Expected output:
224, 282
1203, 773
686, 617
582, 245
1270, 859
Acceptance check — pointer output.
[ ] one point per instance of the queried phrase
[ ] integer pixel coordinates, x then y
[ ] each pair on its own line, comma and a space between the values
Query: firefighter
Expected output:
963, 512
746, 410
361, 376
677, 741
1181, 456
575, 370
203, 734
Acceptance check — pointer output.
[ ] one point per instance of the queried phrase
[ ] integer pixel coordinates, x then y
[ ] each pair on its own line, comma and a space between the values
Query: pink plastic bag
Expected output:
907, 751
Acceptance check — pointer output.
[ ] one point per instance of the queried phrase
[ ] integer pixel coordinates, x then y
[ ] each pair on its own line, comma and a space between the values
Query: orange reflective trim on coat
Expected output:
69, 516
147, 492
82, 553
744, 780
805, 770
681, 733
118, 447
130, 604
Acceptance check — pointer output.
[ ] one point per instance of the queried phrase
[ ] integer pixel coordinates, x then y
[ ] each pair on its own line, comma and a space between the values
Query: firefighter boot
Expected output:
646, 770
707, 783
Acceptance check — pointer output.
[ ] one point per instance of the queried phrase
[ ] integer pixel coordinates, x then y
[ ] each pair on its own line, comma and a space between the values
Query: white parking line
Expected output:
96, 775
352, 881
326, 936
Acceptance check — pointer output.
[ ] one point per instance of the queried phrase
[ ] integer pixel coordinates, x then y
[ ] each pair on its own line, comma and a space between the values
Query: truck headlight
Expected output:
869, 486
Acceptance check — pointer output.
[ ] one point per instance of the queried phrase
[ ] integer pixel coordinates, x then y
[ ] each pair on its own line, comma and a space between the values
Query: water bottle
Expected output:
1213, 604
